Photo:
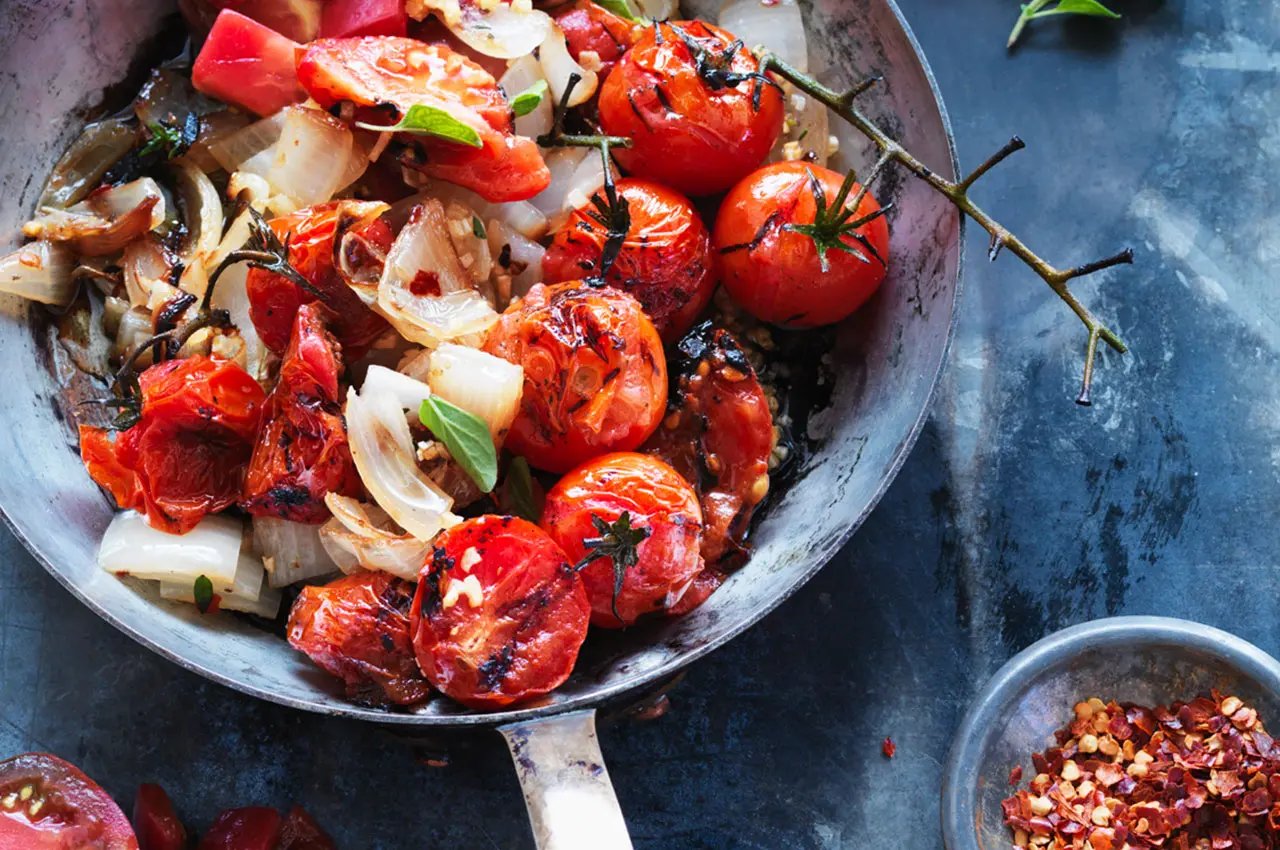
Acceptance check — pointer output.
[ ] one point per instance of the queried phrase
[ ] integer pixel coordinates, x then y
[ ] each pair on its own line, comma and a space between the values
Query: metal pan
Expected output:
885, 363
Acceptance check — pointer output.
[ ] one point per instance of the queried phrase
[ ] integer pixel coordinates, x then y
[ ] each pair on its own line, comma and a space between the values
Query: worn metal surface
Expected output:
883, 366
1016, 514
1145, 660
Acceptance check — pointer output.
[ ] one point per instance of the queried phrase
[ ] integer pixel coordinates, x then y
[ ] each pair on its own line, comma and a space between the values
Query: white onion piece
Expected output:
212, 549
232, 295
251, 188
777, 26
576, 175
105, 222
135, 326
523, 216
382, 448
40, 271
311, 157
100, 146
558, 66
525, 257
479, 383
504, 32
658, 10
291, 551
145, 263
202, 208
252, 149
360, 537
252, 595
423, 246
409, 392
521, 74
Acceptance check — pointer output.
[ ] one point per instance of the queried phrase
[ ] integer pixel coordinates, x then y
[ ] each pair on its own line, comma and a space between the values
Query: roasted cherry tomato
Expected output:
590, 28
691, 98
302, 453
274, 300
48, 804
357, 628
248, 828
185, 458
719, 436
788, 252
300, 832
500, 614
595, 377
155, 821
385, 76
666, 261
643, 523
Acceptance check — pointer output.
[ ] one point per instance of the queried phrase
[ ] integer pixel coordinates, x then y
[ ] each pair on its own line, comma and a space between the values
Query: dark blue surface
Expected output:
1018, 512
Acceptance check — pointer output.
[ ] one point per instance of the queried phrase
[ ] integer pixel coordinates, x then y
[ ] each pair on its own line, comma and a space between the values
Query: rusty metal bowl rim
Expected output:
648, 680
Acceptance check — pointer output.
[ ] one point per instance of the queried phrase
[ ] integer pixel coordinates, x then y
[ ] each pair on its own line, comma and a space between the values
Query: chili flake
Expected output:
888, 747
1200, 774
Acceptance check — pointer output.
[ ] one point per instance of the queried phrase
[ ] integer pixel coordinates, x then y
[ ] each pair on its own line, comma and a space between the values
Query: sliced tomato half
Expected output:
49, 804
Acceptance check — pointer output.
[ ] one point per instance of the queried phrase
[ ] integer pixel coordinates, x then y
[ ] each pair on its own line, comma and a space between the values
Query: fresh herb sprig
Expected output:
618, 541
957, 192
1037, 9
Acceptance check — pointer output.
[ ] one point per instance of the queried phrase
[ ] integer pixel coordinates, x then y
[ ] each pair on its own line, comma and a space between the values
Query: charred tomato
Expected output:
595, 377
300, 832
719, 436
357, 628
665, 260
698, 111
384, 76
790, 252
500, 614
310, 234
186, 456
302, 452
634, 527
48, 804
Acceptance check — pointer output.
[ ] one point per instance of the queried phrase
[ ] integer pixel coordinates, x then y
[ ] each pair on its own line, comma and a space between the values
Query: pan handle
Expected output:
566, 787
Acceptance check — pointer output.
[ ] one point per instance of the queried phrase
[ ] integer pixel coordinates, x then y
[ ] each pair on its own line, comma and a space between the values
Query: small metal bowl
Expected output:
1147, 660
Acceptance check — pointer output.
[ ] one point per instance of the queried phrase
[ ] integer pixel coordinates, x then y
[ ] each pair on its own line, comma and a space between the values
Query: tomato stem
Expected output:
559, 138
957, 192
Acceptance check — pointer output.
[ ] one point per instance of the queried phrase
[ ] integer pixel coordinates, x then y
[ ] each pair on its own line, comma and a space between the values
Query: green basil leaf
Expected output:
423, 120
528, 100
517, 490
203, 591
618, 7
467, 438
477, 227
1082, 7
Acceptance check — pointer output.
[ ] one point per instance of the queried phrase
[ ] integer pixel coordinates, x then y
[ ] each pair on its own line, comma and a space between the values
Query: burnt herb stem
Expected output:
957, 192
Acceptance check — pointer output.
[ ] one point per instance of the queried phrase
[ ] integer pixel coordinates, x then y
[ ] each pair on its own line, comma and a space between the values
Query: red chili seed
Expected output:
888, 747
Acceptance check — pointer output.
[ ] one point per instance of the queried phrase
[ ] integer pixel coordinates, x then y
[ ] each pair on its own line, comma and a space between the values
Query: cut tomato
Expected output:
156, 822
248, 64
248, 828
346, 18
590, 28
48, 804
386, 76
500, 614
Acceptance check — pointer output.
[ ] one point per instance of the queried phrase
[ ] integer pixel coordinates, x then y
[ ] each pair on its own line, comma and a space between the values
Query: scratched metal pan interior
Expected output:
877, 379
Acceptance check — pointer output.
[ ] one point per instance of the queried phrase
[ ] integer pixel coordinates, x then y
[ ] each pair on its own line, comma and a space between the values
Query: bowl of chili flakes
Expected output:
1033, 701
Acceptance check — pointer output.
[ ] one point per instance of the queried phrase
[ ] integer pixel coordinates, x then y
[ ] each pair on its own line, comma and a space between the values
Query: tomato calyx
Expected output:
715, 68
613, 213
833, 224
619, 541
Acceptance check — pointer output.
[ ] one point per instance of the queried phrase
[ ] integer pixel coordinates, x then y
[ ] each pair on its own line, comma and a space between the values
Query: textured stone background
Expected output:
1017, 514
